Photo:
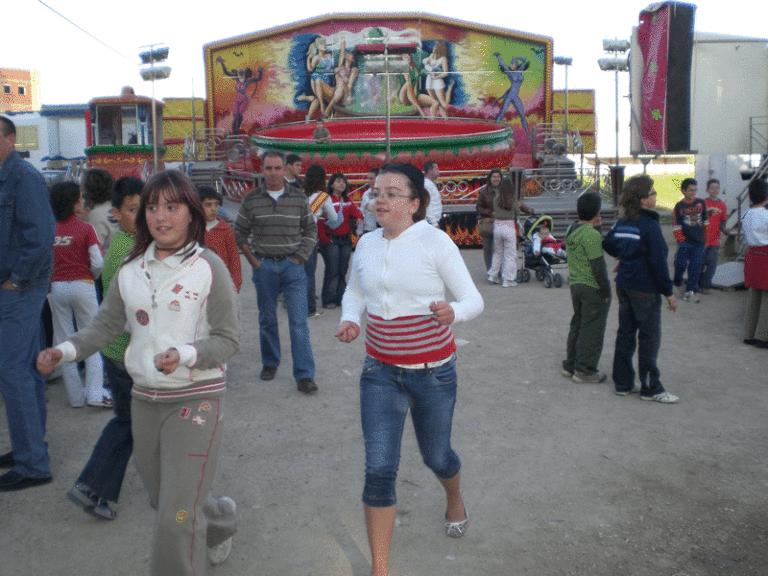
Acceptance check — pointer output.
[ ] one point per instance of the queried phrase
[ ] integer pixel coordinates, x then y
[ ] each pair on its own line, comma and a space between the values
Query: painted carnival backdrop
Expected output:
437, 76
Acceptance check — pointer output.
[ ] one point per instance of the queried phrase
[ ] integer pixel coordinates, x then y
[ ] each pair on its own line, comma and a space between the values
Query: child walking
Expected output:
98, 486
180, 304
590, 293
690, 219
77, 262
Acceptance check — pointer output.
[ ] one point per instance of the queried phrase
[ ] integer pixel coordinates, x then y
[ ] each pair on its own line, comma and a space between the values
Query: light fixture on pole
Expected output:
618, 65
388, 64
154, 54
565, 61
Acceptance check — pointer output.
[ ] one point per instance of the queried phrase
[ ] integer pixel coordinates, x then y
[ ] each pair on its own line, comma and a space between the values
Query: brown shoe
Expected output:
307, 385
268, 372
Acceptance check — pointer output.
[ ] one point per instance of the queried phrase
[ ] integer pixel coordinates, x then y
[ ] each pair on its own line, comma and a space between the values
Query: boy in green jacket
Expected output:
590, 293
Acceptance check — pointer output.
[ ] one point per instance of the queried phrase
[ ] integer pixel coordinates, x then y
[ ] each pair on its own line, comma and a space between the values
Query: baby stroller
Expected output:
542, 265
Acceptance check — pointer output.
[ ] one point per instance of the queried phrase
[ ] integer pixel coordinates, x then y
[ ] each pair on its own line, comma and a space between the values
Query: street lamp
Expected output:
617, 65
565, 61
153, 73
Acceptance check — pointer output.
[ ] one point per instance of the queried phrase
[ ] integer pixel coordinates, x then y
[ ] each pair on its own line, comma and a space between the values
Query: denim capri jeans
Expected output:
386, 393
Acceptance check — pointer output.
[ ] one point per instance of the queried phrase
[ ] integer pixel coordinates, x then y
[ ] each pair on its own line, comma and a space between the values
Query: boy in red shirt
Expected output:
717, 215
219, 235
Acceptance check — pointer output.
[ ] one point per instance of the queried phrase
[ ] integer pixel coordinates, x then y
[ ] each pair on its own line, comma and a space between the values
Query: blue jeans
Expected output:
336, 255
709, 267
105, 470
689, 255
22, 386
386, 394
639, 326
310, 268
271, 278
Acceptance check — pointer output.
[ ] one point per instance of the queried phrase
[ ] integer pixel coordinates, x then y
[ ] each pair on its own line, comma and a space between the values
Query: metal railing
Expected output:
758, 137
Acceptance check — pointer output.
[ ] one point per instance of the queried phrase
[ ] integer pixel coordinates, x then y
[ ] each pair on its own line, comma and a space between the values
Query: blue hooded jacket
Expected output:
642, 251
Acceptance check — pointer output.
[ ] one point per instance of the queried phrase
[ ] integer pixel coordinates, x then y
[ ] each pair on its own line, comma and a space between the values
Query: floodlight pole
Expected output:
564, 61
155, 56
386, 76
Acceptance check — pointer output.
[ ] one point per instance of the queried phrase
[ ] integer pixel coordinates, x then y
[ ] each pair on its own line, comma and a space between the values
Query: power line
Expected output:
115, 50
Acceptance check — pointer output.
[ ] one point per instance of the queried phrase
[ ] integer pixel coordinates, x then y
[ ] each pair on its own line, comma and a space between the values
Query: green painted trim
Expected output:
359, 147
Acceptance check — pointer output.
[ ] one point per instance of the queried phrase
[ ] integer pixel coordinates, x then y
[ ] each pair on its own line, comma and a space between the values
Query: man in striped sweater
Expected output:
276, 232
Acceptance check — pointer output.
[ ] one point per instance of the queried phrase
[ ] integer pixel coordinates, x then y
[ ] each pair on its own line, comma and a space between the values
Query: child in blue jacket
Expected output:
643, 276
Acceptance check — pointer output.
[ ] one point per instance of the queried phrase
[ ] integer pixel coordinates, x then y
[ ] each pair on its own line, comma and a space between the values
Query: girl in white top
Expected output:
399, 274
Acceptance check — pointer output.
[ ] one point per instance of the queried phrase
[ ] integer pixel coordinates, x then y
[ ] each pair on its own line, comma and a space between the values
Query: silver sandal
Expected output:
457, 529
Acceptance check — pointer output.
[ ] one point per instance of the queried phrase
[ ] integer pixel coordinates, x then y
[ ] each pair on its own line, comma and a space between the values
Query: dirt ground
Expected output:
559, 478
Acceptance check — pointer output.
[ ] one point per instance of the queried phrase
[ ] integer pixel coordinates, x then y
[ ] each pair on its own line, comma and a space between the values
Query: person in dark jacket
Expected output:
643, 277
26, 260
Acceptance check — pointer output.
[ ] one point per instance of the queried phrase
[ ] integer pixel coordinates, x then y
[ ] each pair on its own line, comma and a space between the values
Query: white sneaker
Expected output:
492, 279
508, 284
219, 553
691, 296
663, 397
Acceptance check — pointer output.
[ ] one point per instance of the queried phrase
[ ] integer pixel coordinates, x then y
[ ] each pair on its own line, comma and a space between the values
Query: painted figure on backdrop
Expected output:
512, 96
436, 70
409, 93
346, 75
243, 80
320, 67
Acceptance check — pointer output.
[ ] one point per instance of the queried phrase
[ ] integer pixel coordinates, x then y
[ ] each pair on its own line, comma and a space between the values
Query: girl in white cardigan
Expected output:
399, 275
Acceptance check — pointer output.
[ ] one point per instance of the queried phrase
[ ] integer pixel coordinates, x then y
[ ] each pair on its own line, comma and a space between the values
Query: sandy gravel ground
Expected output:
559, 478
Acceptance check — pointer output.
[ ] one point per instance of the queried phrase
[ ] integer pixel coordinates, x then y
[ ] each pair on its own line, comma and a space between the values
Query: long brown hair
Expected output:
634, 190
175, 187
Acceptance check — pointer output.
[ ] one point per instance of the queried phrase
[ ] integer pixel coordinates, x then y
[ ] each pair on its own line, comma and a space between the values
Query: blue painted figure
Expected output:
512, 96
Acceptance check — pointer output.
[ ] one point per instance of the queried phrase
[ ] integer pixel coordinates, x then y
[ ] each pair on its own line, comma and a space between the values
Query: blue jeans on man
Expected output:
386, 393
21, 384
271, 278
689, 255
639, 327
105, 470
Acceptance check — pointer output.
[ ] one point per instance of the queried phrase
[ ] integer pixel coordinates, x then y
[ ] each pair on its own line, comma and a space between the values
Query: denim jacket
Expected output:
26, 224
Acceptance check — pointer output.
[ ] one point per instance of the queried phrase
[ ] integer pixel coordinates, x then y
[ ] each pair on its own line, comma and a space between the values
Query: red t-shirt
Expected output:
71, 260
715, 219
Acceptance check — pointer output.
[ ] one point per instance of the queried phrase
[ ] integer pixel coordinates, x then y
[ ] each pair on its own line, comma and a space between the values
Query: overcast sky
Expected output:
75, 67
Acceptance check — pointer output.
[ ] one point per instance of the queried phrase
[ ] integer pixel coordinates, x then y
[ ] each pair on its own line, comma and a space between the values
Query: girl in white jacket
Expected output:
180, 305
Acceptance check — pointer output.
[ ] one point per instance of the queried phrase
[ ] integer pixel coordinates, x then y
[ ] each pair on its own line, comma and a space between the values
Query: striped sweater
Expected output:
408, 340
395, 281
276, 228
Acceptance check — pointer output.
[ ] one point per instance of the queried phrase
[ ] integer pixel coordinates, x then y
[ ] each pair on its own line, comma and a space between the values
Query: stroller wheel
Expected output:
557, 280
520, 276
526, 275
540, 274
548, 280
